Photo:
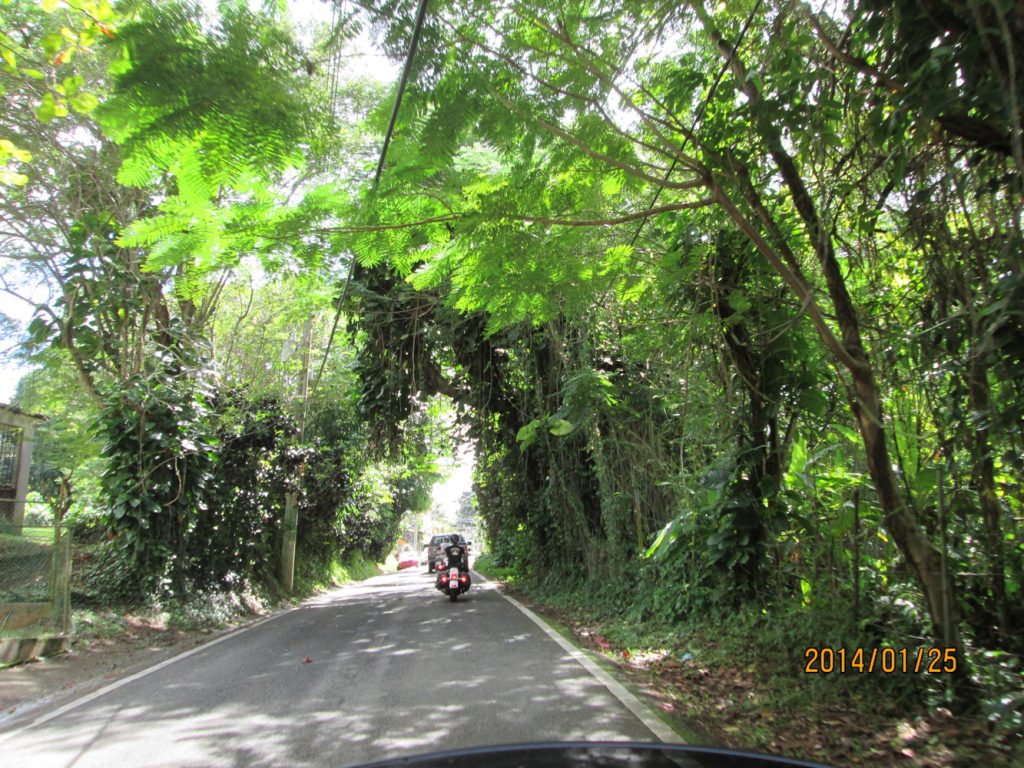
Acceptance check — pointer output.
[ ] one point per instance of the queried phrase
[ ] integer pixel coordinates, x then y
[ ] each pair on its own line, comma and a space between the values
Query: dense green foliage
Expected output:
728, 301
169, 345
798, 386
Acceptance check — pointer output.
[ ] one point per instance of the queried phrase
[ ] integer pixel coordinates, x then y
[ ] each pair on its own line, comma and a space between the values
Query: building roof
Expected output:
16, 411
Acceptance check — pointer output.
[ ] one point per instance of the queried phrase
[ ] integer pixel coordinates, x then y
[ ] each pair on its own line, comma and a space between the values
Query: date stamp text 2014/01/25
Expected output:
825, 660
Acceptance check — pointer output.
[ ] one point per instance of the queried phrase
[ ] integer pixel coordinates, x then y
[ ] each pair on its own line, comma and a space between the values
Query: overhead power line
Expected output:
421, 14
414, 42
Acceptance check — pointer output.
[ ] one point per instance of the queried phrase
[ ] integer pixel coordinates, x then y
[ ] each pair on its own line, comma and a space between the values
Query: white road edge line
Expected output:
634, 705
142, 673
617, 689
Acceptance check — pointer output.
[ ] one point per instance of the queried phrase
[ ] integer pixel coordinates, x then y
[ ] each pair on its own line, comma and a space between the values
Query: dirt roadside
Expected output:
729, 706
92, 662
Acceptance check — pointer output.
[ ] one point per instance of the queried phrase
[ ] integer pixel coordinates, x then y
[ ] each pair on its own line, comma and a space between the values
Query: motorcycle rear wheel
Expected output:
453, 597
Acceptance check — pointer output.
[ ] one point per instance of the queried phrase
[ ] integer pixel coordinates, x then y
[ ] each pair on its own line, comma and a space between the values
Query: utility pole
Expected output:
291, 499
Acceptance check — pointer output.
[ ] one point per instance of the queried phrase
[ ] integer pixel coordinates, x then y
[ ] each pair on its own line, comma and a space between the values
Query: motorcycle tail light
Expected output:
463, 578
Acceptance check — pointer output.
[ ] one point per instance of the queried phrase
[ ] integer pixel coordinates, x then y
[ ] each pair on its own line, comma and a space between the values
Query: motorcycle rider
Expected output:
456, 554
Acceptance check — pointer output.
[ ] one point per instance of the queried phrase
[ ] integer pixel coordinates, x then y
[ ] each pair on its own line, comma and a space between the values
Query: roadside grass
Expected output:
212, 610
205, 612
312, 576
27, 534
485, 564
98, 624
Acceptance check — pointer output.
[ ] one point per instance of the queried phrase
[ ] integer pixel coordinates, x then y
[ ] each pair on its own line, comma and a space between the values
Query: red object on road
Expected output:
407, 564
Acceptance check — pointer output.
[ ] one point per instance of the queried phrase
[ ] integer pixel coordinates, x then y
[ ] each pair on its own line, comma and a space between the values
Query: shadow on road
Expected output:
393, 668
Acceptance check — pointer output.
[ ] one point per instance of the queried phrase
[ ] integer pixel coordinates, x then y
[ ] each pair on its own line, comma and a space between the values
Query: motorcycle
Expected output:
452, 582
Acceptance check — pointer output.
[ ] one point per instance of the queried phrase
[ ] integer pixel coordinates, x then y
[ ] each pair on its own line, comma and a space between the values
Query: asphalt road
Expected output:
395, 669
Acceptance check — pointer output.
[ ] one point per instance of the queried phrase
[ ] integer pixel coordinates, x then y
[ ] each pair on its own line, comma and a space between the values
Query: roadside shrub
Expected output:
236, 524
107, 575
215, 607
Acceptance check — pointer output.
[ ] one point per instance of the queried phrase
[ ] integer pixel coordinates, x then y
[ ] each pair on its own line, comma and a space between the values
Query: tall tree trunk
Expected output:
756, 446
866, 401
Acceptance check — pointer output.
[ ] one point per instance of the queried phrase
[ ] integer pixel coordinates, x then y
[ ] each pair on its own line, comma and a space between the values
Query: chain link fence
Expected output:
35, 581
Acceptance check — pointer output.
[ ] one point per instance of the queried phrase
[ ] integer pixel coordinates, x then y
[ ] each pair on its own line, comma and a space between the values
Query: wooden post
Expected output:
291, 500
291, 529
